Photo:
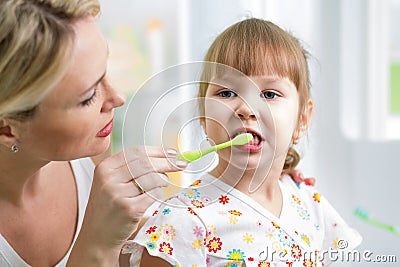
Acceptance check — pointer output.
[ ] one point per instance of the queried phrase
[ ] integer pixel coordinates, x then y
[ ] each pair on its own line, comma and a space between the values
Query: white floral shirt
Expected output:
212, 224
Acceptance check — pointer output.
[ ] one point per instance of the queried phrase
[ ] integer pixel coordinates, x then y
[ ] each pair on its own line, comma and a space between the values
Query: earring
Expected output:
295, 141
14, 149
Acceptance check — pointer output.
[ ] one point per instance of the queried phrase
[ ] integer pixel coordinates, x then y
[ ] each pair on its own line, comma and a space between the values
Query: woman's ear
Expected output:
8, 133
305, 120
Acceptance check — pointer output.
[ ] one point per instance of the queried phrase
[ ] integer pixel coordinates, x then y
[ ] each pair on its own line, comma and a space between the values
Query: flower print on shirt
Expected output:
270, 233
305, 238
166, 211
296, 199
235, 212
285, 239
204, 236
317, 197
295, 252
303, 213
191, 211
276, 246
235, 254
223, 199
191, 193
308, 263
197, 203
248, 238
233, 219
197, 244
275, 225
235, 264
198, 231
214, 244
210, 232
154, 237
151, 245
166, 248
196, 183
151, 229
168, 232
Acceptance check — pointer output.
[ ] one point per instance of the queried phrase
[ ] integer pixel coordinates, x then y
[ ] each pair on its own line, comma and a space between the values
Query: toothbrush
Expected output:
193, 155
363, 215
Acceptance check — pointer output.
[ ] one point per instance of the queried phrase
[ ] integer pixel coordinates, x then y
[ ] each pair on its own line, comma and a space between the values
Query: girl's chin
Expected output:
249, 163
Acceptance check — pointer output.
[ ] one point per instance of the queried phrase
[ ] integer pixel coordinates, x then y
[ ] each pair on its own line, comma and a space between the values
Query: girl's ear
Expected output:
305, 120
8, 133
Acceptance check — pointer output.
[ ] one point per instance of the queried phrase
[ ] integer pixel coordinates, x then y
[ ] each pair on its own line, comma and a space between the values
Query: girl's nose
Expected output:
244, 111
112, 98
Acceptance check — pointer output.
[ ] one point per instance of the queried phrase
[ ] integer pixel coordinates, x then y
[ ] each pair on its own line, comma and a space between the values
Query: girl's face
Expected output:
75, 119
265, 106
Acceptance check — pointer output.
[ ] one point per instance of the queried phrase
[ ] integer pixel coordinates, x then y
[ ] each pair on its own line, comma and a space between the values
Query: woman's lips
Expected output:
106, 131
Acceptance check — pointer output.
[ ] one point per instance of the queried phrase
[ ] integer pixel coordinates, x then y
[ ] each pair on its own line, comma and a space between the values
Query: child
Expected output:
262, 221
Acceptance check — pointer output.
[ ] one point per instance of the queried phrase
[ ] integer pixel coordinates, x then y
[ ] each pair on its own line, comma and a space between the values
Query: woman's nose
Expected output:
112, 99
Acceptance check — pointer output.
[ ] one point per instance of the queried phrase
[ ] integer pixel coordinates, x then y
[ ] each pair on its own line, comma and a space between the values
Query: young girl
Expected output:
256, 218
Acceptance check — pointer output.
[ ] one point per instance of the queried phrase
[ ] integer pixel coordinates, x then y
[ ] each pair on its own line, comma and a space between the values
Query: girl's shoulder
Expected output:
300, 191
313, 208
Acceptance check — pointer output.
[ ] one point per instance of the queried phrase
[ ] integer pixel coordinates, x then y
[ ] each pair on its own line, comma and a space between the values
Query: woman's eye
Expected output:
269, 95
91, 99
227, 94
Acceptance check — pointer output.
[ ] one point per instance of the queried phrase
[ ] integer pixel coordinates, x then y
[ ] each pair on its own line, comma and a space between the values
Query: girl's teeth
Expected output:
256, 140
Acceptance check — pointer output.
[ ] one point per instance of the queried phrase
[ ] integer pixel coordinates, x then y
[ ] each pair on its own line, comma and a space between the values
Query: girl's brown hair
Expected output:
258, 47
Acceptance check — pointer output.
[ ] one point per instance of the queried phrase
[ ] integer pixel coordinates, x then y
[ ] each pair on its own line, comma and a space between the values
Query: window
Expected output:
370, 70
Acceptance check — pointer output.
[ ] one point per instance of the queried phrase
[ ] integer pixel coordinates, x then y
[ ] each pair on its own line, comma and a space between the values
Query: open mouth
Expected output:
254, 145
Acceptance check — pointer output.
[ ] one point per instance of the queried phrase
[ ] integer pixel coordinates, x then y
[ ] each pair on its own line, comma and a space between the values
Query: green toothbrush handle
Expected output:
190, 156
239, 140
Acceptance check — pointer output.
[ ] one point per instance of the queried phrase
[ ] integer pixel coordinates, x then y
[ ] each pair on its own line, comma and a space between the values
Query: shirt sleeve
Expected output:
174, 233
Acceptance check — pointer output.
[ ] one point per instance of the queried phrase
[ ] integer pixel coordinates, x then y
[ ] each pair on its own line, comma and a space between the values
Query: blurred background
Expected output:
353, 145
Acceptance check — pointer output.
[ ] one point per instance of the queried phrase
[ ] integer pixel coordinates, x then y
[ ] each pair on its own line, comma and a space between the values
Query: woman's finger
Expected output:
141, 185
139, 204
152, 180
139, 167
139, 152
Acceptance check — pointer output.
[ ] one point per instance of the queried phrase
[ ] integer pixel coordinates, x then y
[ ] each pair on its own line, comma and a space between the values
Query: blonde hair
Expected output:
258, 47
36, 39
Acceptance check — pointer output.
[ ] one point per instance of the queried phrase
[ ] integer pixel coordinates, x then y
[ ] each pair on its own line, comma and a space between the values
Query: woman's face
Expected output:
265, 106
75, 119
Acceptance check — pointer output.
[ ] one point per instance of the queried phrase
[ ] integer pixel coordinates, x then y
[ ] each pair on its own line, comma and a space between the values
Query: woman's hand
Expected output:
116, 203
298, 177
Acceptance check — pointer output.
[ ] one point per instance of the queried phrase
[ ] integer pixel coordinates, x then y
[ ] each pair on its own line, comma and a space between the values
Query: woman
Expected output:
56, 105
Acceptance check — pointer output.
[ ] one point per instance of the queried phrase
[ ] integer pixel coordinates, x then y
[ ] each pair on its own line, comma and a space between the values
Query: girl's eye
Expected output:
91, 99
269, 95
227, 94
